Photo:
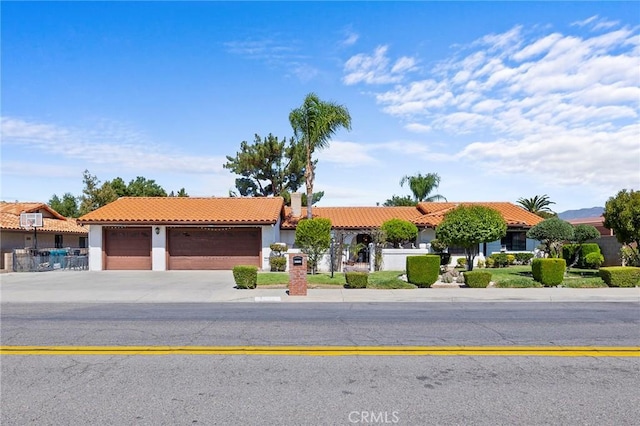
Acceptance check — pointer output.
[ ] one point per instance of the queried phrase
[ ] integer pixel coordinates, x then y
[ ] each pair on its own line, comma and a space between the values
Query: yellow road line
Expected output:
555, 351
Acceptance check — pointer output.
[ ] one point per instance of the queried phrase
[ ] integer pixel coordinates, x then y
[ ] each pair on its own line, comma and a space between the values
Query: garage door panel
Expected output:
213, 248
128, 249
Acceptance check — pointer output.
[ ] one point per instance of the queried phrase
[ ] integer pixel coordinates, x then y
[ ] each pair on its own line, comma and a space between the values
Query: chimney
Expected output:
296, 204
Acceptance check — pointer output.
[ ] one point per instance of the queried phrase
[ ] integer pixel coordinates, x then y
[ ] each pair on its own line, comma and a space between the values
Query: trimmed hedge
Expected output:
620, 276
477, 279
548, 271
423, 271
245, 276
569, 251
278, 263
356, 279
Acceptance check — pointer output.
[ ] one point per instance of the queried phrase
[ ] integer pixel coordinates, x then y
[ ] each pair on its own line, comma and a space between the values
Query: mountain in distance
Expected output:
581, 213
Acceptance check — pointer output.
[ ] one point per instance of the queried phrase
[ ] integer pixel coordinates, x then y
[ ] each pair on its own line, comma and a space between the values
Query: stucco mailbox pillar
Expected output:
297, 274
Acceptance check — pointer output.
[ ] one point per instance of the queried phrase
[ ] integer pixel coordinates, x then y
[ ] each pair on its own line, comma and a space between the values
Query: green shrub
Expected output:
500, 260
511, 259
477, 279
423, 270
278, 263
245, 276
524, 258
399, 231
587, 249
548, 271
461, 262
490, 262
620, 276
593, 260
438, 246
356, 279
481, 263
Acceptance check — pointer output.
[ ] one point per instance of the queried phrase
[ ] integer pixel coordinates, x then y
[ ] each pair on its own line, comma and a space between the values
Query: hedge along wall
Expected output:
423, 270
548, 272
620, 276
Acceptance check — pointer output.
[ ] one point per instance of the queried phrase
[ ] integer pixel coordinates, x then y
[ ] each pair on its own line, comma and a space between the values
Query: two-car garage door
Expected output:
187, 248
213, 248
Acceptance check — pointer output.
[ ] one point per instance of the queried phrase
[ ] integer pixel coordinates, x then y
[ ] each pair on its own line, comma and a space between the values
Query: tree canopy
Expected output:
313, 236
398, 201
622, 215
67, 207
398, 231
468, 226
552, 232
268, 166
314, 123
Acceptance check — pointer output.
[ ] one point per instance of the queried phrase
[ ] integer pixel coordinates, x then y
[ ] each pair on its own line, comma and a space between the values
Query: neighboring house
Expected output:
609, 245
168, 233
57, 231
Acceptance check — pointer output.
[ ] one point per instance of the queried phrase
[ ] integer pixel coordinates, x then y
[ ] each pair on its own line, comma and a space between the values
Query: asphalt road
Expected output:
300, 390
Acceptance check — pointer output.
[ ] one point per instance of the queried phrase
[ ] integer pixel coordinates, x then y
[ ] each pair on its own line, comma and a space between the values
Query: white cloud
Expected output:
103, 143
562, 108
376, 68
347, 154
350, 38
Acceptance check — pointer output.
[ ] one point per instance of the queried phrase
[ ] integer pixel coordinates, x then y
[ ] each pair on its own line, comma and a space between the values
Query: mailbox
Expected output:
297, 260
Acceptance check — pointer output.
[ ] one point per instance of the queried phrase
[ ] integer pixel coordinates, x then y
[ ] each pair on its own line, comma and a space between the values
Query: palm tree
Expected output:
313, 125
422, 186
538, 205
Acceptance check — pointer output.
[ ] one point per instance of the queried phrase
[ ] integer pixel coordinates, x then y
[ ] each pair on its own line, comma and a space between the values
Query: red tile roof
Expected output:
188, 210
514, 215
354, 217
52, 221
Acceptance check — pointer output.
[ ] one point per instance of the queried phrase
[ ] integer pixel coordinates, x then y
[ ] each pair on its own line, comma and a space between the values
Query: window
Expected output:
58, 241
515, 241
83, 242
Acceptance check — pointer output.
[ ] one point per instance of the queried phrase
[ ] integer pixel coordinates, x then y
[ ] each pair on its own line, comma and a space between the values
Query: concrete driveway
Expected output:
219, 286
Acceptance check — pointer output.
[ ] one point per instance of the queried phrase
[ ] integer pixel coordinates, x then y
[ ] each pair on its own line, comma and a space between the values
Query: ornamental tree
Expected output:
581, 234
313, 237
622, 215
552, 233
469, 226
399, 231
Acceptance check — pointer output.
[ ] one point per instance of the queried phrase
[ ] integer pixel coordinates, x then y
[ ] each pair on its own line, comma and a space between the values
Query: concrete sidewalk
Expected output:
218, 286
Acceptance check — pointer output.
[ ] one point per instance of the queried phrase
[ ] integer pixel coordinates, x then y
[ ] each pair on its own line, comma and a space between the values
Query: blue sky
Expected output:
502, 99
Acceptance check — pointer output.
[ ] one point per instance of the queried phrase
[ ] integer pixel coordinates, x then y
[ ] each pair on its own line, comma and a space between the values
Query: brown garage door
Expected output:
213, 248
127, 248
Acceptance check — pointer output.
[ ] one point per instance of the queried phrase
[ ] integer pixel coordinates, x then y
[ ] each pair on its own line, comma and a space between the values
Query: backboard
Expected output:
30, 220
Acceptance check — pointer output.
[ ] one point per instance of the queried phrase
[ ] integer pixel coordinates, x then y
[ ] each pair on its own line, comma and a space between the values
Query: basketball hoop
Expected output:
30, 221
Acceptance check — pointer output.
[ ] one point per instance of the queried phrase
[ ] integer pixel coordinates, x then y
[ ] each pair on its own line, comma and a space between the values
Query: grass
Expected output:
386, 280
510, 277
520, 277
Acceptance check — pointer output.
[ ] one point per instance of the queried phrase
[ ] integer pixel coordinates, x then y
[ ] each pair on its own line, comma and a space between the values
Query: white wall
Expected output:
95, 247
158, 249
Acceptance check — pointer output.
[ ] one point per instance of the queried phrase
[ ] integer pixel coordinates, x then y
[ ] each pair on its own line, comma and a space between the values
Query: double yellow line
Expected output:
549, 351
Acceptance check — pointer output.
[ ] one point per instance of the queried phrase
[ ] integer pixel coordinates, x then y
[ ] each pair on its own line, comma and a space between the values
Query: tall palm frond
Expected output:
421, 186
313, 125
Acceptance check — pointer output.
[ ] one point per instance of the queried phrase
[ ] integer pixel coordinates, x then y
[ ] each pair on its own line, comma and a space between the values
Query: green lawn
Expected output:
510, 277
520, 276
379, 280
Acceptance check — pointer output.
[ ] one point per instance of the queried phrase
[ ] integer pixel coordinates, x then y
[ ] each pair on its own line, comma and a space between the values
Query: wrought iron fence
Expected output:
30, 260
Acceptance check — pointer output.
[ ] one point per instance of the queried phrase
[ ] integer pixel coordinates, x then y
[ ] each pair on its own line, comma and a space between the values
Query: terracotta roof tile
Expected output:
514, 215
52, 221
354, 217
240, 210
